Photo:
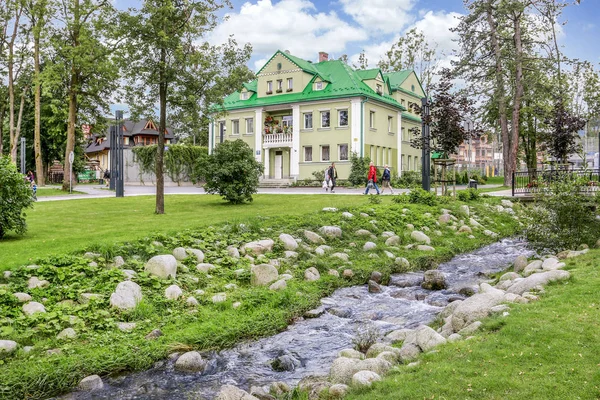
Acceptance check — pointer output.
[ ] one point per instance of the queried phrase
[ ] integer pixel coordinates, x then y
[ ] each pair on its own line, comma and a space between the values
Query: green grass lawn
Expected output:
46, 192
495, 180
544, 350
60, 227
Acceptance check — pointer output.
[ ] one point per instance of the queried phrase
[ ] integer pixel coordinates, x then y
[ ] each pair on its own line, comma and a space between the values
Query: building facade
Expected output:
300, 116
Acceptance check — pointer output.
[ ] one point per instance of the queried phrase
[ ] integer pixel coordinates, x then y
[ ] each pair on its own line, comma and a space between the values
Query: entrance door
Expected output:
278, 164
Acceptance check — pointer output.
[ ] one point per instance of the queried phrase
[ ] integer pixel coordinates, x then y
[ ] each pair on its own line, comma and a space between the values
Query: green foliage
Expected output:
420, 196
468, 194
15, 197
409, 179
365, 338
562, 217
319, 176
359, 168
374, 199
232, 172
181, 162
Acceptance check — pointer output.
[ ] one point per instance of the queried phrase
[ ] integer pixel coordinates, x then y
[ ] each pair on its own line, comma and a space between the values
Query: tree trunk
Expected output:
20, 119
11, 89
160, 151
500, 97
514, 136
2, 114
37, 143
73, 88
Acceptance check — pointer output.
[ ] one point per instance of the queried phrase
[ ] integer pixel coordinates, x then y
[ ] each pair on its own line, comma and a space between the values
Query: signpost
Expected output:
71, 159
119, 154
23, 155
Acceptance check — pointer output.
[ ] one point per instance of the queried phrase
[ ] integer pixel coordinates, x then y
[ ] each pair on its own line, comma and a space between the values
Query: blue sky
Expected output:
338, 27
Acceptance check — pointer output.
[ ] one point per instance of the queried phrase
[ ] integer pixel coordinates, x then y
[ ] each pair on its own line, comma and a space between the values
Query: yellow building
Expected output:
300, 116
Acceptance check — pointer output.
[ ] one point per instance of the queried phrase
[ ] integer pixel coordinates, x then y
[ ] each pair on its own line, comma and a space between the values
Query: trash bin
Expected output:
472, 184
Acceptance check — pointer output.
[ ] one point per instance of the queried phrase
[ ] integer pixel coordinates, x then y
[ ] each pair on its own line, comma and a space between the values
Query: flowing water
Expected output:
312, 344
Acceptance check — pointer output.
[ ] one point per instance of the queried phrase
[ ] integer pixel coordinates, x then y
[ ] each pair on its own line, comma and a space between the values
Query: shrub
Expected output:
232, 172
359, 169
420, 196
15, 197
319, 176
409, 179
468, 194
374, 199
365, 338
561, 218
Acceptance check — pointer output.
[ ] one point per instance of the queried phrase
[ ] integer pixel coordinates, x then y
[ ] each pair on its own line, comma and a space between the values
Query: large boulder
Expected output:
230, 392
263, 274
34, 283
520, 263
278, 285
476, 307
532, 267
393, 241
126, 296
179, 253
420, 237
259, 247
331, 231
312, 274
68, 333
199, 254
344, 368
163, 266
22, 297
7, 346
191, 361
434, 280
33, 307
551, 263
542, 278
289, 243
173, 292
364, 378
313, 237
427, 338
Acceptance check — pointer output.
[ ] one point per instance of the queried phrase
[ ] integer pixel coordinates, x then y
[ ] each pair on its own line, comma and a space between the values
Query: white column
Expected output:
258, 134
211, 135
355, 126
266, 163
399, 143
295, 150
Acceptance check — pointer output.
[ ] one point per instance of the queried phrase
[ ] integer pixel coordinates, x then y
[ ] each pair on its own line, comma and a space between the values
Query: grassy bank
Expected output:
543, 350
248, 312
61, 227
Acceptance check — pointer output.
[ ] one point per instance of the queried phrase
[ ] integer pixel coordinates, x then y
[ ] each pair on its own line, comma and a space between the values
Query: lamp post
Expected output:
23, 155
425, 150
119, 154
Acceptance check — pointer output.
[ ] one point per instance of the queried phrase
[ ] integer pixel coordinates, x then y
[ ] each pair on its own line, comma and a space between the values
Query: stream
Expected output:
314, 343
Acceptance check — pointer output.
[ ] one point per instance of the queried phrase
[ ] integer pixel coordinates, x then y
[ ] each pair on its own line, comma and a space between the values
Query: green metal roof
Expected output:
396, 80
410, 117
343, 82
368, 73
251, 86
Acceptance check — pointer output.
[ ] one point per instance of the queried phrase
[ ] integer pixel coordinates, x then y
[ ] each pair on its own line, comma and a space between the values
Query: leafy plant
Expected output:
232, 172
374, 199
468, 194
359, 167
420, 196
181, 162
15, 197
365, 339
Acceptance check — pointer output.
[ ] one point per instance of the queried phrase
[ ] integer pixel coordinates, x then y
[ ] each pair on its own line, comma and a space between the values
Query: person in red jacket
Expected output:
372, 178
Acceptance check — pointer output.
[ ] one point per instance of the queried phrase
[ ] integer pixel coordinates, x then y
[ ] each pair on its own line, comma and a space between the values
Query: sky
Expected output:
305, 27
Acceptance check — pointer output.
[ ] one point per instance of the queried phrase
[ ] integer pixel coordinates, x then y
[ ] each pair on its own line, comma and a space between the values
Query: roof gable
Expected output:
300, 63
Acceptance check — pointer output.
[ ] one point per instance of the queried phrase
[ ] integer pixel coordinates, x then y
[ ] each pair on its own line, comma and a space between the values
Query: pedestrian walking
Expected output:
386, 178
30, 177
372, 178
332, 175
106, 177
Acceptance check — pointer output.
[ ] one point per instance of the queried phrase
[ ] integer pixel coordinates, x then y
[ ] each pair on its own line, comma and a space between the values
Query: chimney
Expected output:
287, 52
323, 56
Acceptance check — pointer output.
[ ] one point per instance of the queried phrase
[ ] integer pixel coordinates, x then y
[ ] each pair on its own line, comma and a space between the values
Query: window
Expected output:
416, 163
269, 87
343, 152
409, 162
287, 121
244, 96
324, 119
308, 120
249, 125
307, 153
343, 118
390, 124
372, 119
318, 85
379, 89
290, 84
325, 153
279, 85
235, 127
412, 88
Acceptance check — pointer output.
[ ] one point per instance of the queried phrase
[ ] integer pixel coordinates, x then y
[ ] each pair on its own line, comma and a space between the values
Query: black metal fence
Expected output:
55, 177
526, 183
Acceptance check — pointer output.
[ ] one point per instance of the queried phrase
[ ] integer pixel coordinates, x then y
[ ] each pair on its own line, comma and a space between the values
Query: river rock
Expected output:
179, 253
393, 241
542, 278
449, 309
376, 276
420, 237
68, 333
573, 253
363, 232
476, 307
434, 280
191, 361
204, 267
465, 229
509, 276
369, 246
85, 298
342, 369
259, 247
22, 297
126, 296
532, 267
279, 285
230, 392
464, 209
402, 263
401, 335
507, 203
289, 243
322, 249
286, 361
126, 326
341, 312
444, 218
263, 274
33, 307
173, 292
455, 337
334, 272
351, 353
331, 231
427, 338
90, 383
341, 256
199, 254
348, 273
312, 274
313, 237
473, 222
219, 298
409, 351
7, 347
424, 247
232, 251
374, 287
551, 263
378, 348
34, 283
163, 266
364, 379
338, 391
470, 329
90, 256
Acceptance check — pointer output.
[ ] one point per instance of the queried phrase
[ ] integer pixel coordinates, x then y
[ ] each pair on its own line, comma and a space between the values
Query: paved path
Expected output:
99, 191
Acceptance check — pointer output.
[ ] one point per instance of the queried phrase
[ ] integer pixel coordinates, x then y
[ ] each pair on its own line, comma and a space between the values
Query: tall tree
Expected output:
413, 51
164, 51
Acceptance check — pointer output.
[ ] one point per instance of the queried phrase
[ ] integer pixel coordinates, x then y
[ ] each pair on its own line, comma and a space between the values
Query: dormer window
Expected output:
244, 96
379, 89
318, 85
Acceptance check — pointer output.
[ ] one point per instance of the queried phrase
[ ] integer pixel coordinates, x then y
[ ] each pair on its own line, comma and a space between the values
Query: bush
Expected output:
409, 179
359, 169
15, 197
420, 196
561, 218
468, 194
182, 163
232, 172
319, 176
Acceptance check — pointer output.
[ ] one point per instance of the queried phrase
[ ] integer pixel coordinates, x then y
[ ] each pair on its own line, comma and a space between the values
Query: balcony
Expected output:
277, 140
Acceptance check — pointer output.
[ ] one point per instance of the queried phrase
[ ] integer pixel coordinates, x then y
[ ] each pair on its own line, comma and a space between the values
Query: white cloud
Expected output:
292, 25
380, 15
